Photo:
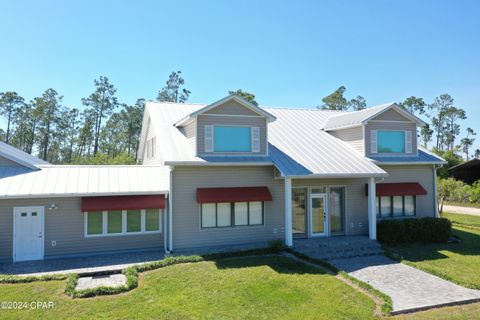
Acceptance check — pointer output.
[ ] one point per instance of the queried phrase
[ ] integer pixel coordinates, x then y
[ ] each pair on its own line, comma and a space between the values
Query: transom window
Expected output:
391, 141
396, 206
123, 222
232, 139
232, 214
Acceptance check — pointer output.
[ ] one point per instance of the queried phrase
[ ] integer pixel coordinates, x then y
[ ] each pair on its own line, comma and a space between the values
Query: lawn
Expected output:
260, 287
458, 262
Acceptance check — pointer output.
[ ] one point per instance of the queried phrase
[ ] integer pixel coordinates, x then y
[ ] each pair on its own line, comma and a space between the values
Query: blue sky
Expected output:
289, 53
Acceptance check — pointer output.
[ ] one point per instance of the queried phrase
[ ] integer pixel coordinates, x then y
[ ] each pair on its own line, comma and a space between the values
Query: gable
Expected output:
391, 115
232, 107
5, 162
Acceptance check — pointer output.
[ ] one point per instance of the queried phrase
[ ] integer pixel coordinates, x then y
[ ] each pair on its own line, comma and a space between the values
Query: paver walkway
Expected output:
91, 264
462, 210
112, 280
410, 289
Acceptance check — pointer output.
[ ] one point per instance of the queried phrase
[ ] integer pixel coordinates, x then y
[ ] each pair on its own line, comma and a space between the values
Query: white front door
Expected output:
318, 215
28, 233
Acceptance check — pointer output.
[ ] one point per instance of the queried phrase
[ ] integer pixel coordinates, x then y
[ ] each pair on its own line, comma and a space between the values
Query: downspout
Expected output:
170, 213
165, 224
435, 196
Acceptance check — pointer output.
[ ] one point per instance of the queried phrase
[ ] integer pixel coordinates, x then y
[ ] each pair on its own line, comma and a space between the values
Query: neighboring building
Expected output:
468, 172
227, 173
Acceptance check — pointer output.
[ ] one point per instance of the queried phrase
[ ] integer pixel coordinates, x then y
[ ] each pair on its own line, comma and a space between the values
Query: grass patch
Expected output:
245, 287
20, 279
456, 262
387, 305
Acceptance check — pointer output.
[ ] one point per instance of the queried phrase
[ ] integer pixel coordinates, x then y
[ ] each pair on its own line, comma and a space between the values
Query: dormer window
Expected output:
232, 139
391, 141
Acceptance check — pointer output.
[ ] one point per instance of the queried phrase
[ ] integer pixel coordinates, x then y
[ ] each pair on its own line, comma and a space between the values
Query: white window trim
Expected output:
124, 225
232, 221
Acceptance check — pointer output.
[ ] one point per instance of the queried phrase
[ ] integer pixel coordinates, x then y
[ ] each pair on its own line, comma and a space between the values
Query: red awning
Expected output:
241, 194
398, 189
123, 202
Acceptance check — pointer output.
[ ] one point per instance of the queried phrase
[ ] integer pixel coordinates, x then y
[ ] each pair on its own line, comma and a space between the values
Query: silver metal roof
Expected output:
357, 118
298, 146
65, 181
20, 157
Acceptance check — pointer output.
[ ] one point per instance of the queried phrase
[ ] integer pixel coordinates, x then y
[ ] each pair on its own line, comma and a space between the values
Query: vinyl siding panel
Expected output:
66, 227
391, 115
189, 131
421, 174
391, 126
157, 159
356, 204
187, 232
4, 162
204, 120
232, 108
352, 136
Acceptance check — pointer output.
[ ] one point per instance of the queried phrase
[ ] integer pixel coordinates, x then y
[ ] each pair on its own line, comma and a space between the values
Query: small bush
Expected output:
423, 230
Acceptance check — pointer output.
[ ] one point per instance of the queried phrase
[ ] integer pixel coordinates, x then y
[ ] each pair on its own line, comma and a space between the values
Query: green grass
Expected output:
457, 262
257, 287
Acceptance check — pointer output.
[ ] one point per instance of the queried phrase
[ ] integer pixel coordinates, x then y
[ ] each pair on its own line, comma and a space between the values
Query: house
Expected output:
226, 173
468, 172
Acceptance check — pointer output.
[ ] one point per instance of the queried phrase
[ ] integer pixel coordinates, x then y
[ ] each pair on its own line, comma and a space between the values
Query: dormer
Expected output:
231, 126
387, 130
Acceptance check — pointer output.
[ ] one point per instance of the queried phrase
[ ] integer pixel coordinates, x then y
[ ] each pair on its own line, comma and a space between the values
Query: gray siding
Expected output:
190, 131
187, 232
356, 205
352, 136
204, 119
391, 126
232, 107
4, 162
66, 227
157, 159
421, 174
391, 115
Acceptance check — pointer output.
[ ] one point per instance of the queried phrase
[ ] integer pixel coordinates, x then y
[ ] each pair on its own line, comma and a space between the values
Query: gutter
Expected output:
218, 164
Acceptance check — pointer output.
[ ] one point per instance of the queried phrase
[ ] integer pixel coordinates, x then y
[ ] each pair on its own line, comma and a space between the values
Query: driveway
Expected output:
462, 210
410, 289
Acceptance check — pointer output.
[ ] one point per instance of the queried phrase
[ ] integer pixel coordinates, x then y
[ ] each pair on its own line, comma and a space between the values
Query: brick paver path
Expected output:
410, 289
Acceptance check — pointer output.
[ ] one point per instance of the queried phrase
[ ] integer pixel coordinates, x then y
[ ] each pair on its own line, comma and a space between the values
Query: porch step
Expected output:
338, 247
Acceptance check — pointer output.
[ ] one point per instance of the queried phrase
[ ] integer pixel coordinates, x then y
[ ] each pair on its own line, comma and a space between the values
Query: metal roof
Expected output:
357, 118
423, 157
20, 157
298, 146
65, 181
475, 162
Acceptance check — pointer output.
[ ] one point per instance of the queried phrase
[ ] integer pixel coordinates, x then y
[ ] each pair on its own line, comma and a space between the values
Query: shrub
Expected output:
423, 230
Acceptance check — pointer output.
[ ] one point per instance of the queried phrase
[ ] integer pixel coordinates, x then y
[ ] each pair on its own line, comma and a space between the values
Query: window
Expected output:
152, 220
134, 221
114, 222
232, 139
95, 223
151, 143
231, 214
123, 222
337, 209
391, 141
396, 206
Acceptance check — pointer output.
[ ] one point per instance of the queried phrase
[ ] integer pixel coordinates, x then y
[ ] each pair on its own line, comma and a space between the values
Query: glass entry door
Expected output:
299, 212
318, 214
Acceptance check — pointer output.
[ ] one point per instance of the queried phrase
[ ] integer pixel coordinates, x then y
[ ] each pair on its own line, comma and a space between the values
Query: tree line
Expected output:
107, 131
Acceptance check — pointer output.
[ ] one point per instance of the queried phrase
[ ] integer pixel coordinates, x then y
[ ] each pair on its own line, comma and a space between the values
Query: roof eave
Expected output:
339, 175
83, 194
220, 164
